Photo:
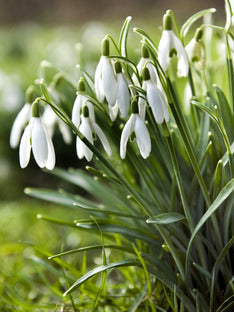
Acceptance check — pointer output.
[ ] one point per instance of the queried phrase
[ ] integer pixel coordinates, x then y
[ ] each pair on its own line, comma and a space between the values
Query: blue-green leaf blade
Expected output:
166, 218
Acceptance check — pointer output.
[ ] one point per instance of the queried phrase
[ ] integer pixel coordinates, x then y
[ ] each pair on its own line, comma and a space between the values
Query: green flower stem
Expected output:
173, 251
183, 197
177, 110
231, 82
184, 134
179, 182
194, 112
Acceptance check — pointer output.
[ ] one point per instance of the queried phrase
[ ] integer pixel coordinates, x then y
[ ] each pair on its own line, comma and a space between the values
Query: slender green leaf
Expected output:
228, 9
94, 247
166, 218
186, 26
139, 299
222, 196
84, 278
147, 38
123, 36
215, 269
126, 231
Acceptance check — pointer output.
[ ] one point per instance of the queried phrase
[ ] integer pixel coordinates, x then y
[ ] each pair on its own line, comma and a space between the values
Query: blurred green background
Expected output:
31, 31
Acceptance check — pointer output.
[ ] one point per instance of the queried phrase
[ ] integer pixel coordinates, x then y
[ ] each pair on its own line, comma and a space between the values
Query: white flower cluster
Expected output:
114, 87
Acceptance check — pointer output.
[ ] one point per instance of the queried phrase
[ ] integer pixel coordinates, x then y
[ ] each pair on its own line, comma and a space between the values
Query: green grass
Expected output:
23, 283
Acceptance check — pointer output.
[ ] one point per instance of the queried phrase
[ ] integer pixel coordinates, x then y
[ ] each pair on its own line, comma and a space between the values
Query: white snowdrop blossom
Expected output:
79, 103
137, 125
145, 61
169, 45
122, 96
156, 99
105, 80
37, 139
19, 124
88, 127
194, 49
50, 120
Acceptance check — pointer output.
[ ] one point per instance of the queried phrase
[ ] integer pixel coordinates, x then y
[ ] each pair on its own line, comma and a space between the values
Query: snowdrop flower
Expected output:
88, 127
50, 119
105, 81
122, 96
80, 101
155, 97
194, 49
145, 61
169, 45
37, 139
135, 124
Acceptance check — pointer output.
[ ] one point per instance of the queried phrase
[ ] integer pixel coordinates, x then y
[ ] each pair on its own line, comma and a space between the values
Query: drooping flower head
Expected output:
22, 118
155, 98
80, 101
122, 96
105, 80
145, 61
170, 45
194, 49
37, 139
88, 127
137, 125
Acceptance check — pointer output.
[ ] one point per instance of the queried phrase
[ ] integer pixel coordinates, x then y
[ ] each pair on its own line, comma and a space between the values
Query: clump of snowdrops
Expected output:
159, 188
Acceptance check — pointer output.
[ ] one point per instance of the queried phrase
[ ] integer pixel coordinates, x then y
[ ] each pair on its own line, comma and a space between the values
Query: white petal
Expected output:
86, 130
25, 146
164, 49
113, 111
141, 65
109, 81
98, 81
91, 111
79, 148
76, 110
142, 137
156, 101
102, 138
153, 72
187, 97
127, 130
19, 124
164, 105
39, 143
183, 65
65, 131
122, 95
49, 119
50, 163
